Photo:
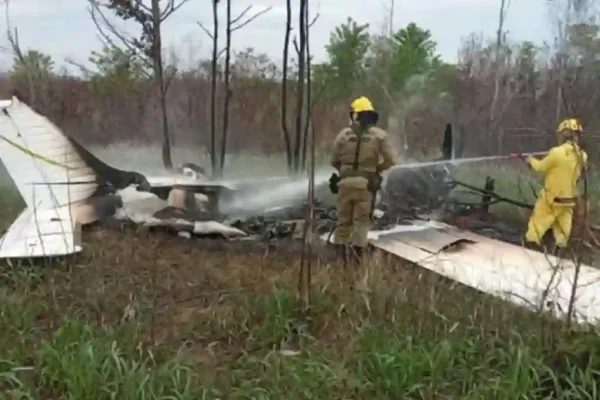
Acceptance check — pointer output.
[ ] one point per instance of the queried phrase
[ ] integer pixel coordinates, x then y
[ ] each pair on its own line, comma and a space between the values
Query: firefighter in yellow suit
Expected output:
561, 170
361, 152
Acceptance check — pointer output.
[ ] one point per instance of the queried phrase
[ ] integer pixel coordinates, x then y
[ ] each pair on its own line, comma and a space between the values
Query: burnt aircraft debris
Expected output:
408, 194
403, 201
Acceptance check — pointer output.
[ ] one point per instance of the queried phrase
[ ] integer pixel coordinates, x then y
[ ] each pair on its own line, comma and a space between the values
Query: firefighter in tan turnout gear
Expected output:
361, 152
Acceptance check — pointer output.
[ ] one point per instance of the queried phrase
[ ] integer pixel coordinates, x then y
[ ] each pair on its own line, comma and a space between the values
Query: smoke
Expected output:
147, 160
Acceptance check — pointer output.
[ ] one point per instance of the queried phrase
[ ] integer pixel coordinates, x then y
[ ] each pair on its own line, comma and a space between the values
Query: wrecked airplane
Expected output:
65, 186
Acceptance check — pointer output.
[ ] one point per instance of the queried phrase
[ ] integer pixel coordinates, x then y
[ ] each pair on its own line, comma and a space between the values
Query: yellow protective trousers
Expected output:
550, 214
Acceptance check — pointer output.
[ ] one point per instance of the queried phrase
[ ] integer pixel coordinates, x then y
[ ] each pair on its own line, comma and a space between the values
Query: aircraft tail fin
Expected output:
50, 176
42, 233
44, 165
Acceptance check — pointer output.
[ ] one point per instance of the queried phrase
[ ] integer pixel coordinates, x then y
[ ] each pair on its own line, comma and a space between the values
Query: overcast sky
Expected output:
64, 29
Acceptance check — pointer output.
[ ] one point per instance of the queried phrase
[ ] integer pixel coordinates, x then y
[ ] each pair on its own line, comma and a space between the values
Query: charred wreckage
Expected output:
68, 177
65, 187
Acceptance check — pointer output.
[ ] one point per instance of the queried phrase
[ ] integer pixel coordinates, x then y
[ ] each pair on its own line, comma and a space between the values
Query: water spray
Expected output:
287, 193
464, 160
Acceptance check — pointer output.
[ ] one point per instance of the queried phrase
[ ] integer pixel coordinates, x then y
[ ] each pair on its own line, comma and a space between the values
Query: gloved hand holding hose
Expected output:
525, 156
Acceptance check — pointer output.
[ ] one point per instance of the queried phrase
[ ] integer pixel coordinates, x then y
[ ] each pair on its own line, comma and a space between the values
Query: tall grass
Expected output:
334, 354
226, 323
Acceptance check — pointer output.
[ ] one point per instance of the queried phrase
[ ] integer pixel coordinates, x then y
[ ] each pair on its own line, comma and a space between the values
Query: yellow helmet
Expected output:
361, 104
571, 124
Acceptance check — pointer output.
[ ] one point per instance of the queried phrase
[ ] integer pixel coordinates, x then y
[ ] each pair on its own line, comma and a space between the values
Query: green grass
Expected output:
226, 324
372, 354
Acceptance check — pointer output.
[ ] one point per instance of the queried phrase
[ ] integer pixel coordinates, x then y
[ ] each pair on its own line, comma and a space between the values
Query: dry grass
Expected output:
142, 315
145, 315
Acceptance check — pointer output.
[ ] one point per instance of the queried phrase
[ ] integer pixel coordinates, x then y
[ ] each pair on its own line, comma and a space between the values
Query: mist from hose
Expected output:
259, 191
289, 192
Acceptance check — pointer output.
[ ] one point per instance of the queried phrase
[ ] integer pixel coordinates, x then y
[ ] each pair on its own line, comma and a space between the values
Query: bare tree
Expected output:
213, 89
307, 250
232, 25
304, 104
300, 84
227, 99
309, 95
499, 59
388, 24
149, 46
501, 16
284, 81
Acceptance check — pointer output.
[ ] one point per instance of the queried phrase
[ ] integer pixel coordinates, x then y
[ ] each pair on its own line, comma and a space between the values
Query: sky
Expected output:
64, 29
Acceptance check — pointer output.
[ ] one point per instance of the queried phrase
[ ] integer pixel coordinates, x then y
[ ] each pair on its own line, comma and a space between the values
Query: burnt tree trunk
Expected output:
227, 91
286, 51
301, 49
213, 91
160, 81
309, 104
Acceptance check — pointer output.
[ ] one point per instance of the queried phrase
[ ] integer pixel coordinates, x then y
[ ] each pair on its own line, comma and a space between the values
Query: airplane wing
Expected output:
522, 276
50, 176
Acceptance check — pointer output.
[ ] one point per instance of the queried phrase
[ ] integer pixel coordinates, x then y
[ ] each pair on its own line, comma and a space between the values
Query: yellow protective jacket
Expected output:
376, 154
561, 170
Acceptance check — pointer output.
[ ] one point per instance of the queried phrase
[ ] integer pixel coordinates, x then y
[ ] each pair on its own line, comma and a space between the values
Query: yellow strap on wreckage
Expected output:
35, 155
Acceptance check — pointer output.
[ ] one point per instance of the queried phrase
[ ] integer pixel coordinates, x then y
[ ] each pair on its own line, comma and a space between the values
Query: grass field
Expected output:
150, 316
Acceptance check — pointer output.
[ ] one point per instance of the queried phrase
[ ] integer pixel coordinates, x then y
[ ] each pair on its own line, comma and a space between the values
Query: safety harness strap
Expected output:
357, 151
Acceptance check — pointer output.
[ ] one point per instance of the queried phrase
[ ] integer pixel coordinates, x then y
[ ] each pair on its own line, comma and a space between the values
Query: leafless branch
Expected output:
249, 20
316, 17
171, 8
239, 17
13, 39
16, 50
89, 71
95, 11
210, 35
143, 6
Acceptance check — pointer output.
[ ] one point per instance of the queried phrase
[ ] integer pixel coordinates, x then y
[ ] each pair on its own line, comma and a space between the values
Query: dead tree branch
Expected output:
170, 8
249, 20
13, 40
208, 33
